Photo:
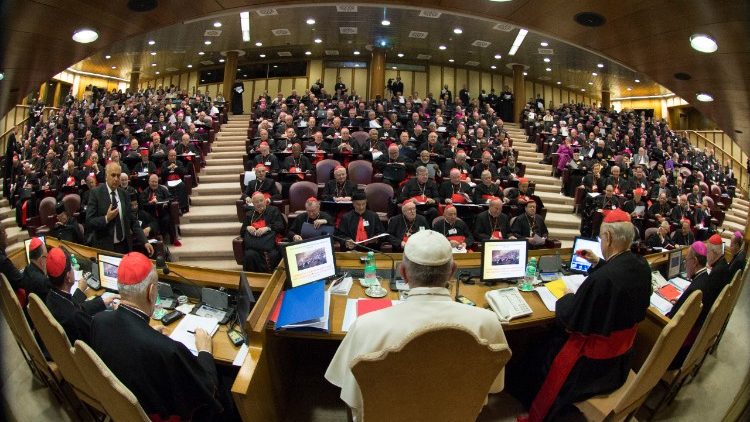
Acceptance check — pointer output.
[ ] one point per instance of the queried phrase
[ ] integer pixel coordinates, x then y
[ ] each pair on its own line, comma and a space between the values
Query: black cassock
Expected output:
485, 226
179, 191
74, 313
237, 89
602, 314
296, 227
458, 232
162, 373
399, 229
349, 223
261, 252
522, 226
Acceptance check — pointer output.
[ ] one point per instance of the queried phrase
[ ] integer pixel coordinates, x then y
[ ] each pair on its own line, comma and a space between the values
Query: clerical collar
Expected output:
135, 311
428, 294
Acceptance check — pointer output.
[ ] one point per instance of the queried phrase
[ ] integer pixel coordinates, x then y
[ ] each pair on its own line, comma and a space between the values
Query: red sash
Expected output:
361, 232
458, 198
497, 235
155, 417
259, 224
464, 175
406, 237
489, 197
578, 345
419, 198
23, 212
457, 238
173, 176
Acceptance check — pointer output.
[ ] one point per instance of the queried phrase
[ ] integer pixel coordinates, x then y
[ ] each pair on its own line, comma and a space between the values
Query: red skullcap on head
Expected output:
312, 199
264, 143
87, 163
715, 240
261, 166
35, 243
523, 180
57, 262
144, 152
699, 248
617, 216
134, 267
683, 220
638, 191
449, 206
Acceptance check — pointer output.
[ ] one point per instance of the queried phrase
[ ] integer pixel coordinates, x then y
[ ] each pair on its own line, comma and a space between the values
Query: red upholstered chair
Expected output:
324, 170
239, 250
46, 218
298, 194
704, 188
360, 172
380, 199
649, 232
360, 137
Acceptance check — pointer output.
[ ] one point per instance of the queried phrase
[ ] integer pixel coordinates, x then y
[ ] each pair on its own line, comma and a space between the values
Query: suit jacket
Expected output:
101, 233
74, 313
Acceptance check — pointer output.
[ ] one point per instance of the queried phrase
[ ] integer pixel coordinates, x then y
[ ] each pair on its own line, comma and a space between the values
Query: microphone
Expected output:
161, 264
393, 262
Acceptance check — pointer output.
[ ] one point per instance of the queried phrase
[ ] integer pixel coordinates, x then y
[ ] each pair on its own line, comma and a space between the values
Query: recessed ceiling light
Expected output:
583, 90
517, 43
637, 81
493, 67
208, 73
442, 47
385, 22
153, 64
151, 42
544, 44
630, 89
559, 83
203, 80
153, 53
400, 54
189, 66
107, 57
458, 31
2, 76
546, 60
221, 60
394, 67
318, 41
275, 66
525, 74
382, 43
703, 97
262, 56
245, 76
600, 65
157, 72
356, 52
114, 67
217, 24
594, 74
307, 53
239, 70
310, 21
200, 53
207, 42
549, 69
498, 57
259, 44
591, 83
85, 35
450, 60
356, 64
703, 43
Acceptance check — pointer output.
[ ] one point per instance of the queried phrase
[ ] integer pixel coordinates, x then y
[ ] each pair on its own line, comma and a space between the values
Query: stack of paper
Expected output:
658, 302
353, 309
550, 292
185, 331
305, 307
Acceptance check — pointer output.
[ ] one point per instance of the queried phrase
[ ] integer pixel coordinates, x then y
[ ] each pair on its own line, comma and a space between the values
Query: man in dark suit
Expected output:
109, 224
738, 253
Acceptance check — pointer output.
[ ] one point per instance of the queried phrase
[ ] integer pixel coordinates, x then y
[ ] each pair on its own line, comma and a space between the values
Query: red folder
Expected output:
276, 309
669, 292
368, 305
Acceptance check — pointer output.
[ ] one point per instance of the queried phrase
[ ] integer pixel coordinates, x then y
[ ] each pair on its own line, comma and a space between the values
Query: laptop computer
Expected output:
549, 268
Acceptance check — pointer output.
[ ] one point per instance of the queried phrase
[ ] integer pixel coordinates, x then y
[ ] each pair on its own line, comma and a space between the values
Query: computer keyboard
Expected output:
508, 303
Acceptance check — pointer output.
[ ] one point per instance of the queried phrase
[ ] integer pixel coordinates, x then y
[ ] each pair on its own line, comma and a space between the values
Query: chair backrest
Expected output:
715, 190
324, 170
663, 352
72, 203
650, 231
298, 194
360, 137
19, 326
711, 327
119, 402
379, 196
56, 341
360, 172
420, 365
47, 210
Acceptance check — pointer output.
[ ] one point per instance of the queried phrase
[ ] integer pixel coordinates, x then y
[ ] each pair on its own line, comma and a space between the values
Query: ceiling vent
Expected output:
348, 30
480, 43
346, 8
502, 26
471, 63
432, 14
207, 62
332, 52
171, 69
212, 33
284, 54
281, 32
424, 56
546, 51
267, 12
418, 34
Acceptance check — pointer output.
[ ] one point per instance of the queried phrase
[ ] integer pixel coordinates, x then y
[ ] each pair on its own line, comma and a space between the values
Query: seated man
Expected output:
684, 236
529, 224
427, 266
66, 228
660, 209
660, 188
492, 224
454, 190
340, 188
485, 165
738, 253
172, 383
172, 172
154, 201
682, 210
619, 184
297, 162
266, 158
486, 190
636, 207
313, 215
608, 201
261, 231
402, 227
421, 190
520, 195
145, 165
73, 312
262, 184
457, 232
592, 354
393, 166
360, 223
35, 274
661, 238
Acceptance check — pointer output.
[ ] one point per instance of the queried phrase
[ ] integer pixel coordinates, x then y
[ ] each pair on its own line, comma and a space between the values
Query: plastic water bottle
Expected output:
528, 280
74, 262
370, 266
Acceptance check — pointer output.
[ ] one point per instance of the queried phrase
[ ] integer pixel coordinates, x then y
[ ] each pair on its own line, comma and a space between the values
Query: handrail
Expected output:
739, 168
45, 117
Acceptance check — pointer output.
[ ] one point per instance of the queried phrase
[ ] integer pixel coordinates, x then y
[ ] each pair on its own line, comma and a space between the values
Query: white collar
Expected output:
429, 294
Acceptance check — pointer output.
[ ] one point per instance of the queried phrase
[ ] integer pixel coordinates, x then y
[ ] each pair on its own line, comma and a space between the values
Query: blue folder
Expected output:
302, 303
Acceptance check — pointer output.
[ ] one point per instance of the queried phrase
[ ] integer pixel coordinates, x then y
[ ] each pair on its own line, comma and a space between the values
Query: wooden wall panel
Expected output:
548, 95
247, 99
420, 85
473, 82
435, 79
286, 86
258, 88
315, 71
300, 85
329, 79
485, 82
360, 81
449, 78
346, 78
461, 81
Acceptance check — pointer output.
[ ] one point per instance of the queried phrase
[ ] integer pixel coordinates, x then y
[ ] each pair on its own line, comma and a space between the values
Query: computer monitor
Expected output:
26, 244
675, 262
309, 260
503, 260
108, 266
578, 264
245, 303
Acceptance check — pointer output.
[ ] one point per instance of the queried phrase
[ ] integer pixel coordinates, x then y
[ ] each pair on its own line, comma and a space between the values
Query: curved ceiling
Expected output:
651, 38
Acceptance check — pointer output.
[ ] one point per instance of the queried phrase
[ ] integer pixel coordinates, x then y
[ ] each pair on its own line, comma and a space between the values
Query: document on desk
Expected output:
658, 302
547, 297
350, 312
680, 282
574, 281
305, 307
185, 331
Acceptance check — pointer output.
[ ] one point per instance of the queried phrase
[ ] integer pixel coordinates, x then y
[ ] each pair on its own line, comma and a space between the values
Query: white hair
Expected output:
139, 290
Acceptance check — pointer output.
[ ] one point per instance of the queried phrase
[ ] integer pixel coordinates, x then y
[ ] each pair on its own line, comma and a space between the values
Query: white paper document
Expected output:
574, 281
173, 183
249, 177
342, 287
547, 297
185, 331
239, 359
680, 282
658, 302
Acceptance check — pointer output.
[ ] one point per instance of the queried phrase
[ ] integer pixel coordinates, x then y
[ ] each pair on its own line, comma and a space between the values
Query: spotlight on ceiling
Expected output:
703, 43
207, 42
704, 97
318, 40
310, 21
559, 83
221, 60
546, 59
114, 67
498, 57
458, 31
307, 53
190, 66
383, 43
2, 76
217, 24
451, 60
544, 44
442, 47
525, 74
356, 52
400, 54
85, 35
549, 69
153, 64
259, 44
600, 65
262, 56
493, 67
594, 74
200, 53
157, 72
107, 57
153, 53
637, 81
385, 22
151, 42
